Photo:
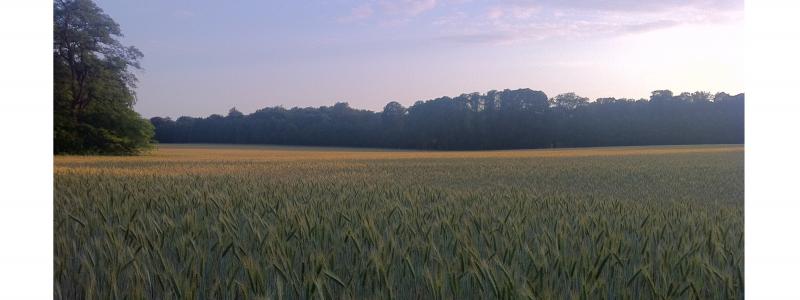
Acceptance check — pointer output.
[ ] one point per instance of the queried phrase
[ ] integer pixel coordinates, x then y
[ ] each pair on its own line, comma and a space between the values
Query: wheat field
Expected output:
259, 222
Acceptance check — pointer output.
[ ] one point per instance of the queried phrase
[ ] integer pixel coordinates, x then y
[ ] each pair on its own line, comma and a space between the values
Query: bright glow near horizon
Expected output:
204, 57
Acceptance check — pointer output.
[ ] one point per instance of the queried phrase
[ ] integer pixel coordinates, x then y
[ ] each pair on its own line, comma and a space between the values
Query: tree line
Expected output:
507, 119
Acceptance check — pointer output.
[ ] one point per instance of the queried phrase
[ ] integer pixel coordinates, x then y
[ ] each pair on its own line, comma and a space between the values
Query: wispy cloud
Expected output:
407, 7
639, 5
480, 38
490, 22
388, 11
647, 26
515, 11
547, 19
359, 12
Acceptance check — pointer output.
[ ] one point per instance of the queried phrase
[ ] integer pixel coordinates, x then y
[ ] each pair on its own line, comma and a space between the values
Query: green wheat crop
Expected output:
204, 222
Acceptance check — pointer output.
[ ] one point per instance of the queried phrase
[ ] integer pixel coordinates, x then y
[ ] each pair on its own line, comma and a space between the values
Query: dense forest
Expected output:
507, 119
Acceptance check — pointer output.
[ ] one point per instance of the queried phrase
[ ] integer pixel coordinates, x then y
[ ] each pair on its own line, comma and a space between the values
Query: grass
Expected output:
228, 222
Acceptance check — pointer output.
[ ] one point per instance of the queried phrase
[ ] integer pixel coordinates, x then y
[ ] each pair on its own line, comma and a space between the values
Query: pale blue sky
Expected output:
204, 57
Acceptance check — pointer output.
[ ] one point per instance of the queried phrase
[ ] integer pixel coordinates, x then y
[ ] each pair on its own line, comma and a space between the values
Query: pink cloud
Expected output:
390, 11
408, 7
518, 22
420, 6
360, 12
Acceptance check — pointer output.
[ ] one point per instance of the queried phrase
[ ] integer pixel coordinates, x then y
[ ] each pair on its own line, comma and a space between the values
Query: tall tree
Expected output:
94, 84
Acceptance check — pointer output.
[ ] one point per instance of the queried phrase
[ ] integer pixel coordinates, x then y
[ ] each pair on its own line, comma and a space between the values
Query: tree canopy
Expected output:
94, 84
506, 119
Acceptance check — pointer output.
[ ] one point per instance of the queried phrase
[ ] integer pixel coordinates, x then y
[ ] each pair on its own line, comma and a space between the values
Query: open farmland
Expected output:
224, 222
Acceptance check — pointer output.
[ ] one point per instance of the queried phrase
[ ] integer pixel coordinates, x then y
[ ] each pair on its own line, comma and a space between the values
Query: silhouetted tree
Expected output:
234, 113
569, 101
661, 96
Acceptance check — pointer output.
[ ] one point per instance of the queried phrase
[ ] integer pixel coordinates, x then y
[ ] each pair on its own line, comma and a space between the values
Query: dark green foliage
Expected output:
93, 84
496, 120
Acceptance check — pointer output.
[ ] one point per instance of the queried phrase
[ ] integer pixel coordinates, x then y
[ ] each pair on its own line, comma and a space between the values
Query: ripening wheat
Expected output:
295, 223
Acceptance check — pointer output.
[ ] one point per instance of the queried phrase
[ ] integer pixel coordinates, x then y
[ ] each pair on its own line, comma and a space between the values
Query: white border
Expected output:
772, 153
26, 153
772, 217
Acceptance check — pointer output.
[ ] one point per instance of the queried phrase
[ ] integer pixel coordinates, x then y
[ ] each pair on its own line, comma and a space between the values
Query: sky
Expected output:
204, 57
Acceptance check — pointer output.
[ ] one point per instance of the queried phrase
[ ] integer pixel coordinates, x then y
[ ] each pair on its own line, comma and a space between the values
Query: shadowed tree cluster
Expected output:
93, 84
507, 119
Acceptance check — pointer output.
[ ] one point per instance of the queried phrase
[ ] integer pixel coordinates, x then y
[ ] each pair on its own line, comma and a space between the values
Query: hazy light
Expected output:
203, 57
